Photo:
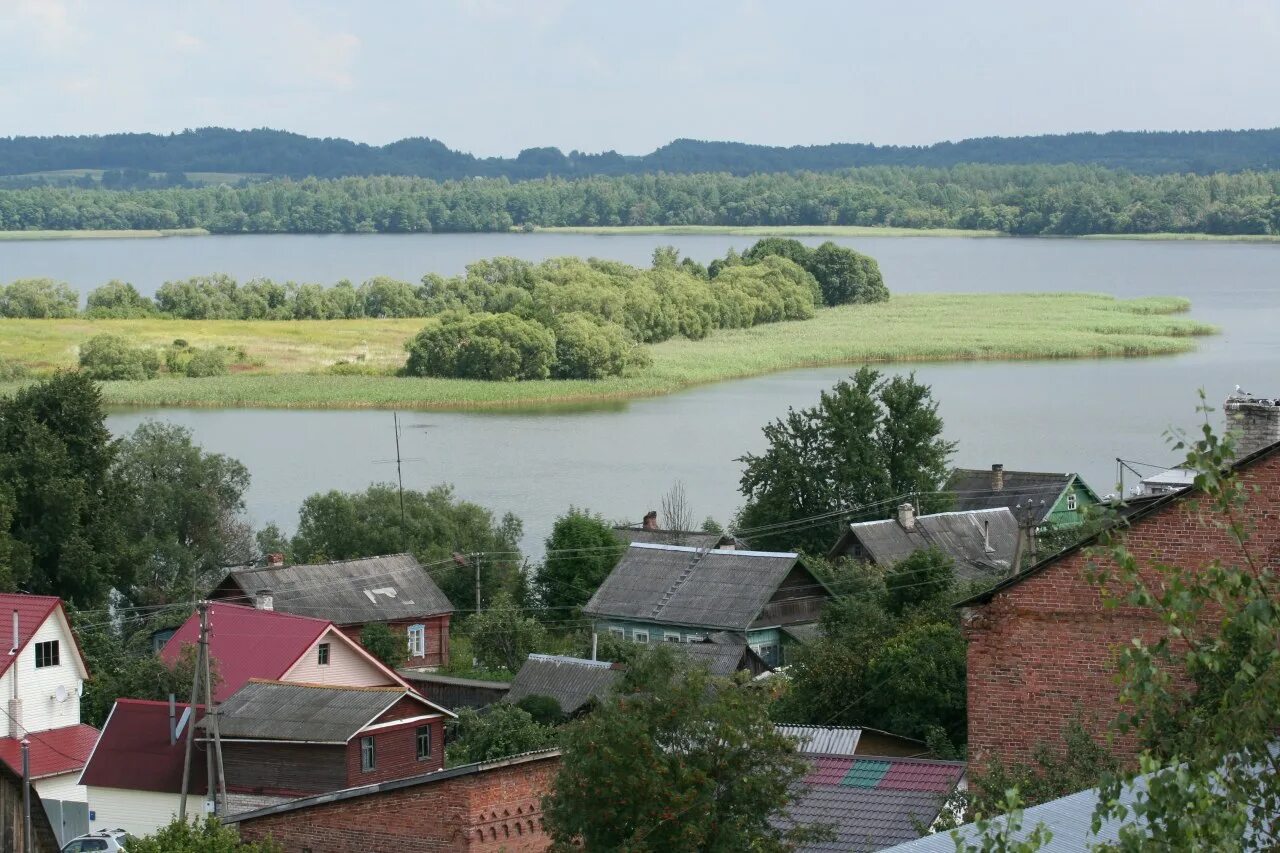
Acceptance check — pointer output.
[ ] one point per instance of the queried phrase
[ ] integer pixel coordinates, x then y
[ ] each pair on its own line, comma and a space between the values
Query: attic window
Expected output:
46, 654
322, 654
1071, 501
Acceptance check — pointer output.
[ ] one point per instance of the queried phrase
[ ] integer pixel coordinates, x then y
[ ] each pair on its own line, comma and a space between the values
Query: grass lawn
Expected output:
101, 235
293, 356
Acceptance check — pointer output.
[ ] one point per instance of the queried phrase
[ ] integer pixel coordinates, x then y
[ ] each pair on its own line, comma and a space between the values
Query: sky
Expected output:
494, 76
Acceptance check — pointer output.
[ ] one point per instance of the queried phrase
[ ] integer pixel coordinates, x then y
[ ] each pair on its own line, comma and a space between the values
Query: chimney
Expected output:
651, 520
263, 600
275, 559
1254, 421
907, 516
997, 478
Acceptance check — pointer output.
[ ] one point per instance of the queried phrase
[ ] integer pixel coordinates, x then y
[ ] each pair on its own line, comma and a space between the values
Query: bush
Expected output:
381, 642
11, 371
207, 362
587, 348
108, 357
545, 710
118, 300
38, 298
481, 346
200, 298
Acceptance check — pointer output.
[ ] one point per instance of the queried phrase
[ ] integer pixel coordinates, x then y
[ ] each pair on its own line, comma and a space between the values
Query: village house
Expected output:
1041, 645
394, 591
41, 680
258, 642
134, 775
983, 543
453, 692
650, 533
285, 739
1040, 499
681, 594
477, 808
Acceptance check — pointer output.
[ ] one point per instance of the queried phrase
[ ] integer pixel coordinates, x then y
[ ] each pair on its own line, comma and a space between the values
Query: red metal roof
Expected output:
52, 751
32, 611
246, 643
134, 752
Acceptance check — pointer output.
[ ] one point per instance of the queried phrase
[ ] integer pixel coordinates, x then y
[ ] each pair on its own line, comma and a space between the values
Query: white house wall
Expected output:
37, 687
61, 787
137, 812
346, 666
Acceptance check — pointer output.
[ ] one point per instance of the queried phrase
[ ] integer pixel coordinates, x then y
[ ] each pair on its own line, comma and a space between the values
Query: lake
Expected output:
618, 459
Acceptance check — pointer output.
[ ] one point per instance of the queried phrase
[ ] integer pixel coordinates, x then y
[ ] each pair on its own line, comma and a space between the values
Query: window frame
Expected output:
368, 754
324, 655
672, 638
52, 654
417, 640
418, 738
1072, 503
637, 634
620, 633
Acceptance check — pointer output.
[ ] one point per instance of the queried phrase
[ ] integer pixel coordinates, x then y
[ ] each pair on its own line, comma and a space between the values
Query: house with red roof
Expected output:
133, 777
42, 675
255, 642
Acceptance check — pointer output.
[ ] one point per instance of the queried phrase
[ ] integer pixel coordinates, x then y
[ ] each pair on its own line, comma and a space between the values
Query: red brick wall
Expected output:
1043, 651
437, 645
495, 810
396, 754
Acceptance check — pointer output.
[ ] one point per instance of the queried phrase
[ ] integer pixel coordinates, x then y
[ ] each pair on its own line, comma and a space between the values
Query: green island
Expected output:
290, 360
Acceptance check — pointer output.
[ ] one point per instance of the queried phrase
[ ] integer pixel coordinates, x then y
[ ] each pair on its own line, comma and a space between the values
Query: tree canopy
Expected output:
580, 552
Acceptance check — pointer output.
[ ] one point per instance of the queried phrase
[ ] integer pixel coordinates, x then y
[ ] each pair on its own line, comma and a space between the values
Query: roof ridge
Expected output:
314, 685
269, 568
280, 613
1008, 471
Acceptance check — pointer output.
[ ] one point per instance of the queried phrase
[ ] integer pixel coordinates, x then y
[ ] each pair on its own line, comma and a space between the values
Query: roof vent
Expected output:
264, 600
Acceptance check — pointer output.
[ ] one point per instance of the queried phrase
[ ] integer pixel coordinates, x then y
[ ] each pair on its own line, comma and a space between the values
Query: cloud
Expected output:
185, 41
48, 21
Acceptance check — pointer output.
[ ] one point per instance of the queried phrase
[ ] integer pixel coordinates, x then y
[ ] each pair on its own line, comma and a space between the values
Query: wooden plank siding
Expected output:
286, 769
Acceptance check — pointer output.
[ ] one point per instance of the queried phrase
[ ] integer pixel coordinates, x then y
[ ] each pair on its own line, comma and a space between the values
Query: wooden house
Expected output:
1048, 500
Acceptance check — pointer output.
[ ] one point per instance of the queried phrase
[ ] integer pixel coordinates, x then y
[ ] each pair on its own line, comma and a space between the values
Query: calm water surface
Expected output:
619, 459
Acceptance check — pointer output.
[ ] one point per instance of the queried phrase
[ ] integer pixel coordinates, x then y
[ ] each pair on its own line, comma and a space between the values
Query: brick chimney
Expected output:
1255, 422
275, 559
651, 520
264, 600
907, 516
997, 478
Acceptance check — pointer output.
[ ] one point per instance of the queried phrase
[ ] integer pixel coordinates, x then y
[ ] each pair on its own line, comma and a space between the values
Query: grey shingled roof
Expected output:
721, 659
981, 542
972, 489
276, 710
692, 538
349, 592
679, 585
573, 682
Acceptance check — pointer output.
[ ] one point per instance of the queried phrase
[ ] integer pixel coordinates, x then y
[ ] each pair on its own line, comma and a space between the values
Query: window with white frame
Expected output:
618, 632
1071, 501
640, 636
673, 638
417, 641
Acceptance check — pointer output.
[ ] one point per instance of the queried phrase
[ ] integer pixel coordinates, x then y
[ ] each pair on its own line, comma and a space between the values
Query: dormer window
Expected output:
47, 654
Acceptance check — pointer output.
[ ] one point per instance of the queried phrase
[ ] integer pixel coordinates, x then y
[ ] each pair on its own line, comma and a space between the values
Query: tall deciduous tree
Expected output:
581, 551
675, 760
184, 519
436, 525
63, 506
502, 636
869, 443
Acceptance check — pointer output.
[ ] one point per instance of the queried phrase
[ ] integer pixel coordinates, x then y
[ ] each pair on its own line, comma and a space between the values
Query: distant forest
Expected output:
1011, 199
145, 159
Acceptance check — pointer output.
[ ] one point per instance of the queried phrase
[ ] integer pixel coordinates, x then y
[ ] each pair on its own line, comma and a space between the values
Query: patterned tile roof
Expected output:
871, 803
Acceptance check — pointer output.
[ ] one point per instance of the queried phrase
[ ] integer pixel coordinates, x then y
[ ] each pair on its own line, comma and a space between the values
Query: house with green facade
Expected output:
1047, 500
680, 594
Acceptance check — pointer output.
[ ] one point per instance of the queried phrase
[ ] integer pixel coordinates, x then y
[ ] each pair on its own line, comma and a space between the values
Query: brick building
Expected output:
1041, 645
394, 591
490, 806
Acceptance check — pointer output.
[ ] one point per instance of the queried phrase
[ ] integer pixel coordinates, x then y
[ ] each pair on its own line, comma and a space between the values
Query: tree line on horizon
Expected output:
279, 153
1023, 200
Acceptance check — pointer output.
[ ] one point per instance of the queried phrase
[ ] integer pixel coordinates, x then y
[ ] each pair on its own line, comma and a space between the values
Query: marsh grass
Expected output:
296, 356
102, 234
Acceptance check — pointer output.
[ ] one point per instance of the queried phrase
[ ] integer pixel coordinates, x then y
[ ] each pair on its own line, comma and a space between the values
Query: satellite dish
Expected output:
60, 693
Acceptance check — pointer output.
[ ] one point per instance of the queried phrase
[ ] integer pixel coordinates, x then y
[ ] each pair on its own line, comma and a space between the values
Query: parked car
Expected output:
105, 841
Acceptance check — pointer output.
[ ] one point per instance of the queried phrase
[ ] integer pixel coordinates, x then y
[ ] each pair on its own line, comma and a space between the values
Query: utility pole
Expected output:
203, 609
26, 796
216, 779
395, 417
475, 559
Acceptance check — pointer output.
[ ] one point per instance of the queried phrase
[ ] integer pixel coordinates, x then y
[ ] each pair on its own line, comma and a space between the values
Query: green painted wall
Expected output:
1063, 515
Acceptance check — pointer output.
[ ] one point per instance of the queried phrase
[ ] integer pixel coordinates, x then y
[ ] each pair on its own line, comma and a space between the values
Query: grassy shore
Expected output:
293, 357
774, 230
101, 234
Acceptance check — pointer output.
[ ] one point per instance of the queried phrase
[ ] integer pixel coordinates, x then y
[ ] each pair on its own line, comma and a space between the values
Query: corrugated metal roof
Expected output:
678, 585
828, 740
278, 710
246, 643
871, 803
349, 592
973, 489
1069, 818
572, 682
133, 752
32, 610
51, 752
981, 542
